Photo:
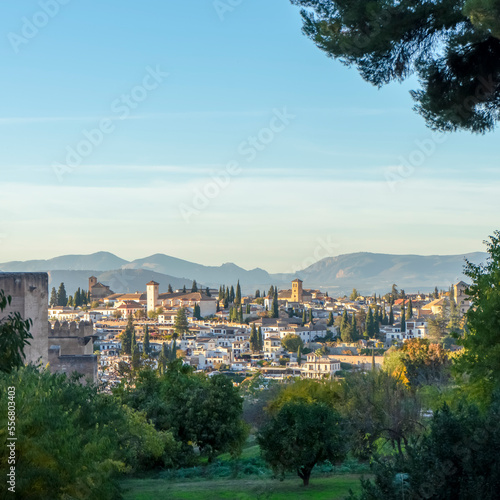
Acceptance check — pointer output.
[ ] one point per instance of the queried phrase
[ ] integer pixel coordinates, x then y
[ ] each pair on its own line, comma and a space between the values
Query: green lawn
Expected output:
320, 488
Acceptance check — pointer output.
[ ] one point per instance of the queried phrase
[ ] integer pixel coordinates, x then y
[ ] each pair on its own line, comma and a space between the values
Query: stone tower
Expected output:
92, 282
296, 291
152, 295
29, 292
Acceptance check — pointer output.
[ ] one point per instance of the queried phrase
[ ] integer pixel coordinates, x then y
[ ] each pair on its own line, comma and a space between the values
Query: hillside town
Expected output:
297, 332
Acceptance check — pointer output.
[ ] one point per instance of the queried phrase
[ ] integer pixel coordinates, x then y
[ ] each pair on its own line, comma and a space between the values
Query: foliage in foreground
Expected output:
72, 442
457, 459
453, 46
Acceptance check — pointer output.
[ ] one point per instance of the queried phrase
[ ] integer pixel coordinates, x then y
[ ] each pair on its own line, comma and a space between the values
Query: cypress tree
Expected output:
53, 297
369, 327
310, 315
299, 355
304, 317
70, 301
240, 314
207, 292
410, 309
146, 348
163, 358
354, 327
170, 289
257, 294
403, 319
62, 298
173, 352
77, 299
330, 319
194, 287
271, 292
181, 325
237, 298
184, 289
261, 339
391, 316
248, 308
254, 339
275, 309
231, 295
345, 328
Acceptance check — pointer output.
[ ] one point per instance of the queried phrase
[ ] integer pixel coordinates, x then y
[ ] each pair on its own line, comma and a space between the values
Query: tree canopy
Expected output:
300, 435
452, 46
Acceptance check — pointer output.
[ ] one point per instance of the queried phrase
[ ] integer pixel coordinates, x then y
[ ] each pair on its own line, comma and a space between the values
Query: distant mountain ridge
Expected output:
368, 272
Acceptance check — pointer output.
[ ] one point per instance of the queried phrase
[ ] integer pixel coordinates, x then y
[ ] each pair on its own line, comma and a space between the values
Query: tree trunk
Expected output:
304, 473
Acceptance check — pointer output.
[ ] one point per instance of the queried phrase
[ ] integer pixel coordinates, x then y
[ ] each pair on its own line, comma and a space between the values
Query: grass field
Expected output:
320, 488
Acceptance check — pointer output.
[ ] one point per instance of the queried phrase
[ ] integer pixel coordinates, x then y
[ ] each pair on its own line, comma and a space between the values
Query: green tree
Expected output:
292, 342
391, 316
254, 339
170, 289
257, 294
330, 319
299, 356
184, 289
370, 325
72, 441
231, 295
198, 410
299, 436
304, 317
127, 336
261, 339
345, 328
197, 312
14, 336
354, 327
275, 307
53, 297
207, 292
310, 315
237, 298
410, 309
194, 286
457, 458
62, 298
403, 318
354, 294
181, 325
452, 48
146, 346
479, 360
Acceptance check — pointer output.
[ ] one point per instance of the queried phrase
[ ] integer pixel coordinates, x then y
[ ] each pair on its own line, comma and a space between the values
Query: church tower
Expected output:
152, 295
296, 290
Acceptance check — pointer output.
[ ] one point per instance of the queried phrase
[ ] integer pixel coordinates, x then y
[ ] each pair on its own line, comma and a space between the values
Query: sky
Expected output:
215, 131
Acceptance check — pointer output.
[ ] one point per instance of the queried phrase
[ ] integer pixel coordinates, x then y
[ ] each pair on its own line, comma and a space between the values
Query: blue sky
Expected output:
229, 139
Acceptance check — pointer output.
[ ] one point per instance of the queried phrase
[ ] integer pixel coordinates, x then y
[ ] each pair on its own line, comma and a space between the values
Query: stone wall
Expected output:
29, 292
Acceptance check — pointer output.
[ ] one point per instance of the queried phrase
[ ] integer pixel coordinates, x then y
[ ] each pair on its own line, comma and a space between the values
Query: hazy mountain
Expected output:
372, 272
368, 272
100, 261
210, 275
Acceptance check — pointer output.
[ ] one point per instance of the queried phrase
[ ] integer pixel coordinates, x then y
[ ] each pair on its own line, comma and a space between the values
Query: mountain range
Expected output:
367, 272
